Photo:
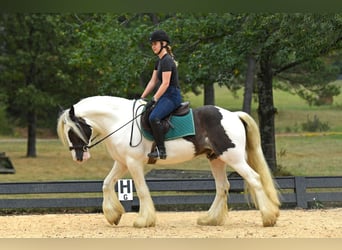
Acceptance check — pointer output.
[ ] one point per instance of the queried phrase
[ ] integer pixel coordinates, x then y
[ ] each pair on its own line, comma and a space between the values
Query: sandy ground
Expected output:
325, 223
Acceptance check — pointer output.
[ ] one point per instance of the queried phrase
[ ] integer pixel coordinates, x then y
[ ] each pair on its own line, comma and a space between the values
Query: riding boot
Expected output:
158, 134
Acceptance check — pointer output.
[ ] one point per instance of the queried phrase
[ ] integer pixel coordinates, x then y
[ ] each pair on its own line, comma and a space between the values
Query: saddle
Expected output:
182, 110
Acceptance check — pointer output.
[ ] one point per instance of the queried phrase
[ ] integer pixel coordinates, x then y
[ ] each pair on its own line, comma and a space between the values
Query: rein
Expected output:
124, 125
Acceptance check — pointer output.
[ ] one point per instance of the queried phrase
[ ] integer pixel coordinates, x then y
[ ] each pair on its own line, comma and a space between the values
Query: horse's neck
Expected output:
103, 113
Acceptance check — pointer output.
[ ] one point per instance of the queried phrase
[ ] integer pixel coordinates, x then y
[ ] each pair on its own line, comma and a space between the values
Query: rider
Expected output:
167, 97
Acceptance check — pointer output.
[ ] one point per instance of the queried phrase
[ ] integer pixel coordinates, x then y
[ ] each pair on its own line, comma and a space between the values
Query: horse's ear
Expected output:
61, 109
72, 113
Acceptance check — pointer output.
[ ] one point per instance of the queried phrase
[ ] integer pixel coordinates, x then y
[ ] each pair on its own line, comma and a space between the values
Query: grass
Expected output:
53, 162
298, 152
310, 155
307, 155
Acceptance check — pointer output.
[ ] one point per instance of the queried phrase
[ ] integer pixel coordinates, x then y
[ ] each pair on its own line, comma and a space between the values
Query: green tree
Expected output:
206, 57
215, 48
34, 72
113, 53
45, 56
116, 53
282, 42
311, 81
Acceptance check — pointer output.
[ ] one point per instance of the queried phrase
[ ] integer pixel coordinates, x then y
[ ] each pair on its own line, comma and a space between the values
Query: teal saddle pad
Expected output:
180, 126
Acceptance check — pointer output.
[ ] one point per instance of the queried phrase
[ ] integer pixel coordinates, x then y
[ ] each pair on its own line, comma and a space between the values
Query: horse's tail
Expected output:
256, 159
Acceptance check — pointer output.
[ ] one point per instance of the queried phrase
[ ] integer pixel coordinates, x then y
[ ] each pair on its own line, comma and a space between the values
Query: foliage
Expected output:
311, 81
32, 63
315, 125
117, 55
34, 73
89, 54
206, 55
316, 204
112, 52
279, 43
49, 60
5, 126
292, 47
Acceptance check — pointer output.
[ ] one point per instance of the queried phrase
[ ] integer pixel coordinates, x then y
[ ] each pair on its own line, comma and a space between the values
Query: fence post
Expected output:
300, 189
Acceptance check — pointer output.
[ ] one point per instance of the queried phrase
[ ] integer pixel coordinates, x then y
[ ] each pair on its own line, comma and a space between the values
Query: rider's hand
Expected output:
150, 104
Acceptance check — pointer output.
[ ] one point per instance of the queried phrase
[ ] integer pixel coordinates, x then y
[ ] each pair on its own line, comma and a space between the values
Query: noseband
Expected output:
79, 147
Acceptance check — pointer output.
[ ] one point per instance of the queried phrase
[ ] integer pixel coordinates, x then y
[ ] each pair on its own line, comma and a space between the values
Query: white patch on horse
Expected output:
220, 134
178, 150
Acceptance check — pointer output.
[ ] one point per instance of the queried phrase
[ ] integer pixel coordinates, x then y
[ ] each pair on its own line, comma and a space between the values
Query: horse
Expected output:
225, 137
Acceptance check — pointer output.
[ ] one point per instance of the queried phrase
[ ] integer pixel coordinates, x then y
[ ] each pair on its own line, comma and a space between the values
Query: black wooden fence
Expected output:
297, 191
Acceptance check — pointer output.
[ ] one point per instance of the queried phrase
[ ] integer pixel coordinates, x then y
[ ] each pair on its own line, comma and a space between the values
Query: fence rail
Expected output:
298, 191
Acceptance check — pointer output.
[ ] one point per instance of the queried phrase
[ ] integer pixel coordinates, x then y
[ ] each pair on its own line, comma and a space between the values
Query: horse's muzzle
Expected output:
80, 155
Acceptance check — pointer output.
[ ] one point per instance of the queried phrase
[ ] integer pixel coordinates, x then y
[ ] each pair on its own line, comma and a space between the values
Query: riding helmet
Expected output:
159, 35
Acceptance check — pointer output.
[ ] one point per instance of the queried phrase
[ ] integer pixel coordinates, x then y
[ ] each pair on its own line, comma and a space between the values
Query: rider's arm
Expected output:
151, 84
163, 86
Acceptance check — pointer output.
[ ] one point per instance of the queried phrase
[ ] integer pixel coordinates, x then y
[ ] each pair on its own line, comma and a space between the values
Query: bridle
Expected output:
79, 147
84, 148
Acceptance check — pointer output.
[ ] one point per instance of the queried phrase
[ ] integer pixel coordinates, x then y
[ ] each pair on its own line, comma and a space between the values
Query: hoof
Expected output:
113, 216
117, 220
113, 220
208, 221
270, 221
141, 222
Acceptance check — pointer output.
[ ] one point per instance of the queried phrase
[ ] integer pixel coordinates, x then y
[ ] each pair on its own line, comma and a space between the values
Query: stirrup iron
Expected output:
157, 154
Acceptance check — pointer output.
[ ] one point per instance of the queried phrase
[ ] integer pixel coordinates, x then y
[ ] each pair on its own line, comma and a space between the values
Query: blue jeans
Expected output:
166, 104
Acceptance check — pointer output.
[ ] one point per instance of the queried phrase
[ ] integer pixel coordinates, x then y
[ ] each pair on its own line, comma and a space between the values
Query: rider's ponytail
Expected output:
169, 51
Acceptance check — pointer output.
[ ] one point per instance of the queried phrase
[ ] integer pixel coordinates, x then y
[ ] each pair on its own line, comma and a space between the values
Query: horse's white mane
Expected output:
61, 122
91, 105
99, 104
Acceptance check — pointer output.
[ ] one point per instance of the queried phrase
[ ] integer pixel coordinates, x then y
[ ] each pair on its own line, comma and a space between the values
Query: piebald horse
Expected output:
227, 138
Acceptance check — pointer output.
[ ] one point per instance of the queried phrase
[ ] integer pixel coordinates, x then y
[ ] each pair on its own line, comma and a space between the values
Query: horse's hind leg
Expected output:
218, 211
111, 205
269, 210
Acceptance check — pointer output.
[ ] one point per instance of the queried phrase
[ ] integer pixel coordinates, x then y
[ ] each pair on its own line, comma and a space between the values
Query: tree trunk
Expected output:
248, 92
209, 94
31, 134
266, 112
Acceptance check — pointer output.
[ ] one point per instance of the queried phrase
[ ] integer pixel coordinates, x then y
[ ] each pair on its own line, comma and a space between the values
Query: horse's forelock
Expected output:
65, 120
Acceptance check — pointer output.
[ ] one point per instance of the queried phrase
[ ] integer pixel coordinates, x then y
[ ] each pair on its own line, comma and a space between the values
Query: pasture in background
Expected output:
299, 152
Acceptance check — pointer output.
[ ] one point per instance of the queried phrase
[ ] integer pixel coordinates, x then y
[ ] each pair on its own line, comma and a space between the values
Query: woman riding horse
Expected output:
167, 98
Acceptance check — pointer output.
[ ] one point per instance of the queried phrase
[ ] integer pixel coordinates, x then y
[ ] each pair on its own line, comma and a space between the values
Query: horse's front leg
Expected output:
111, 205
147, 214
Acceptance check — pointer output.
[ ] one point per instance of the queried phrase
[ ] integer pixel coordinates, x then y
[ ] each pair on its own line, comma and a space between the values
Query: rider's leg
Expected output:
163, 108
158, 134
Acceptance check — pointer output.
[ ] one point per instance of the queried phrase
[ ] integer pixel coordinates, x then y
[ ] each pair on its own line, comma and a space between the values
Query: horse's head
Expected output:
75, 132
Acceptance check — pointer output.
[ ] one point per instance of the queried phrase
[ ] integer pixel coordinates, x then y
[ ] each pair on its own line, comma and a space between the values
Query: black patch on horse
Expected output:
77, 143
210, 137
